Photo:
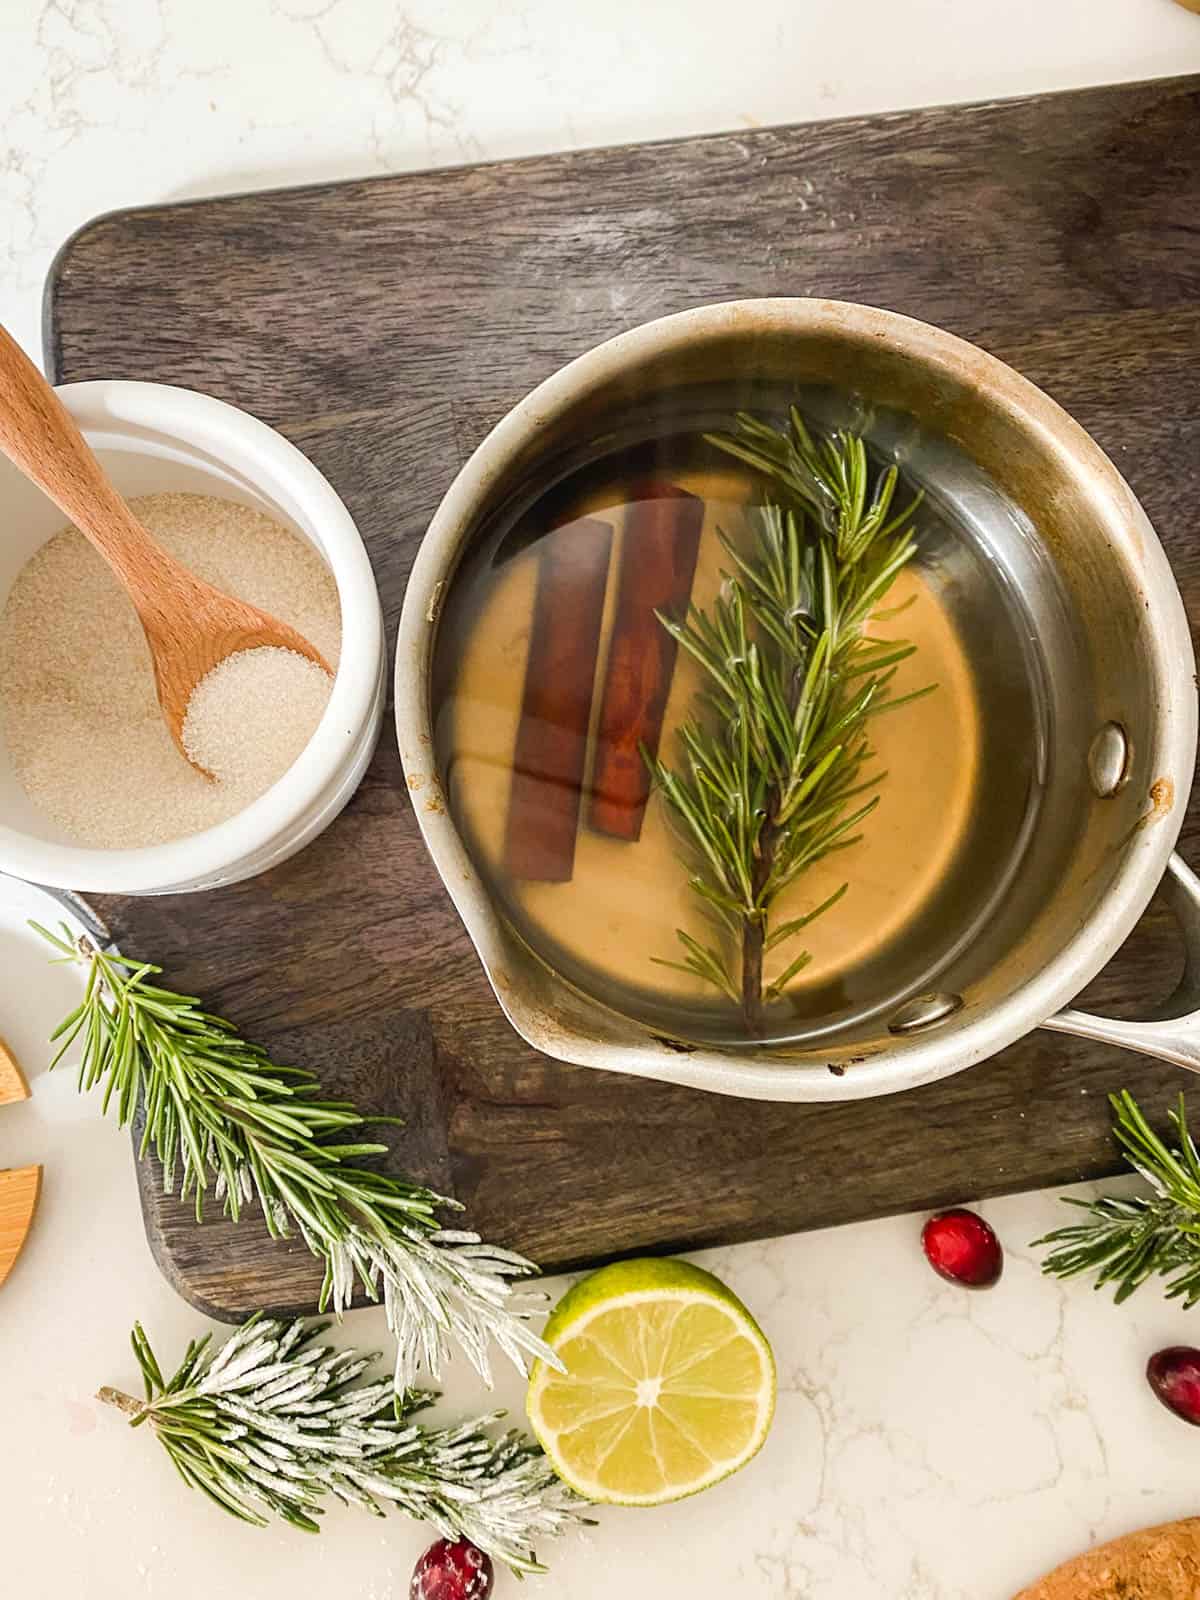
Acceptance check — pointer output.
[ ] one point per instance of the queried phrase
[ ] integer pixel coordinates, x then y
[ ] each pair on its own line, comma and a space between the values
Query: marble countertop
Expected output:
929, 1444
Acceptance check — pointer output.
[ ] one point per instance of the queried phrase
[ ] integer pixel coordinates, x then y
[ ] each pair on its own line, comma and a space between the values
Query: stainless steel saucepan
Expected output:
1081, 660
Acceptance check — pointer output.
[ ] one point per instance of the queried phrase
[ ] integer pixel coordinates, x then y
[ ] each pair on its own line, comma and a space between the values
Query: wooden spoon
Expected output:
189, 626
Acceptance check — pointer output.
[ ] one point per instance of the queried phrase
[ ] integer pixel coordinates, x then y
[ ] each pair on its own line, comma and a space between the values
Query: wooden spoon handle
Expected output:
40, 436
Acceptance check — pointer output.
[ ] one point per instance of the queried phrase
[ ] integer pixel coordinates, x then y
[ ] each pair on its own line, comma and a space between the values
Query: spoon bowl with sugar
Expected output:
190, 626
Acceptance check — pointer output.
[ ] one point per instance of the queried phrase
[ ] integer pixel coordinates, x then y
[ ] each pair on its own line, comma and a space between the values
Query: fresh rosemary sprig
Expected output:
1126, 1241
273, 1422
223, 1117
773, 775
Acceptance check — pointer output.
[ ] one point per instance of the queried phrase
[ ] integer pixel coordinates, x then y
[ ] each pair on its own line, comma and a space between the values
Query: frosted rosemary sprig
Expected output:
225, 1119
273, 1422
1125, 1240
773, 771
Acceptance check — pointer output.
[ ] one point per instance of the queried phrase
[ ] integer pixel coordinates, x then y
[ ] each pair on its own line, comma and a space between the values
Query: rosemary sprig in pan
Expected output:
273, 1422
774, 770
225, 1119
1125, 1241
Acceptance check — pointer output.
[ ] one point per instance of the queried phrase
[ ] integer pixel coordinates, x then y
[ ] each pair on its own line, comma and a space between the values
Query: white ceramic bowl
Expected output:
152, 438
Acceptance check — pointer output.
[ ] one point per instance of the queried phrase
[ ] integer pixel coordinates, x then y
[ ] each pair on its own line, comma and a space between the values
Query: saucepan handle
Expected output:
1172, 1032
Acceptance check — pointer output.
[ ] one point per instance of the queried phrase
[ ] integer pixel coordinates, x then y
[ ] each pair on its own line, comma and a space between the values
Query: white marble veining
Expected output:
929, 1445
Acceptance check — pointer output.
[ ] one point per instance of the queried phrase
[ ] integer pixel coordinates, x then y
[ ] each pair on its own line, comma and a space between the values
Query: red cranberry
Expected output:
1174, 1375
455, 1570
960, 1247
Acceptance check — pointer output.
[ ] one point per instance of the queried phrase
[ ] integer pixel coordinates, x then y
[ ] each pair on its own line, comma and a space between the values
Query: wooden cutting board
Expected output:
384, 326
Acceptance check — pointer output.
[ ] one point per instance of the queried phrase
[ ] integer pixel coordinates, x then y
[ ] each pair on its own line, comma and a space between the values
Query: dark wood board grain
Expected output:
383, 326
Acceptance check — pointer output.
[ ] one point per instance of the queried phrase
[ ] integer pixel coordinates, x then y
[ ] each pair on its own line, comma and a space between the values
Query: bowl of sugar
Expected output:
94, 794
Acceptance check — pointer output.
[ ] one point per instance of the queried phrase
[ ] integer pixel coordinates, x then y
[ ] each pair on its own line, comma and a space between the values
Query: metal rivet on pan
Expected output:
924, 1010
1108, 759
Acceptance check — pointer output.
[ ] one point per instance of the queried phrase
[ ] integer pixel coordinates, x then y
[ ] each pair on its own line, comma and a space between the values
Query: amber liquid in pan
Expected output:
609, 927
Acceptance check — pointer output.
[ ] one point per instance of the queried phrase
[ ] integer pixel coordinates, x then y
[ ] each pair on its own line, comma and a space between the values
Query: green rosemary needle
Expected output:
226, 1120
1124, 1241
774, 770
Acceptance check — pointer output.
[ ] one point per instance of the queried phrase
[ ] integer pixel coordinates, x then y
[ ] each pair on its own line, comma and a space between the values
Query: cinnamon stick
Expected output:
556, 706
658, 563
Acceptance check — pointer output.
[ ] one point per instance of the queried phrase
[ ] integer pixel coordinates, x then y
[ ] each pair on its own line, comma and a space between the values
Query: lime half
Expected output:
669, 1384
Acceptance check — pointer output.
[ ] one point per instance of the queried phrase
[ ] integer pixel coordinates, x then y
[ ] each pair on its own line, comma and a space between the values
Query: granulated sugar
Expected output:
254, 712
78, 711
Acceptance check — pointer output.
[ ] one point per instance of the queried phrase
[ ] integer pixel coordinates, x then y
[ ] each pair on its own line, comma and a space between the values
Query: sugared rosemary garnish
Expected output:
773, 774
229, 1123
274, 1424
